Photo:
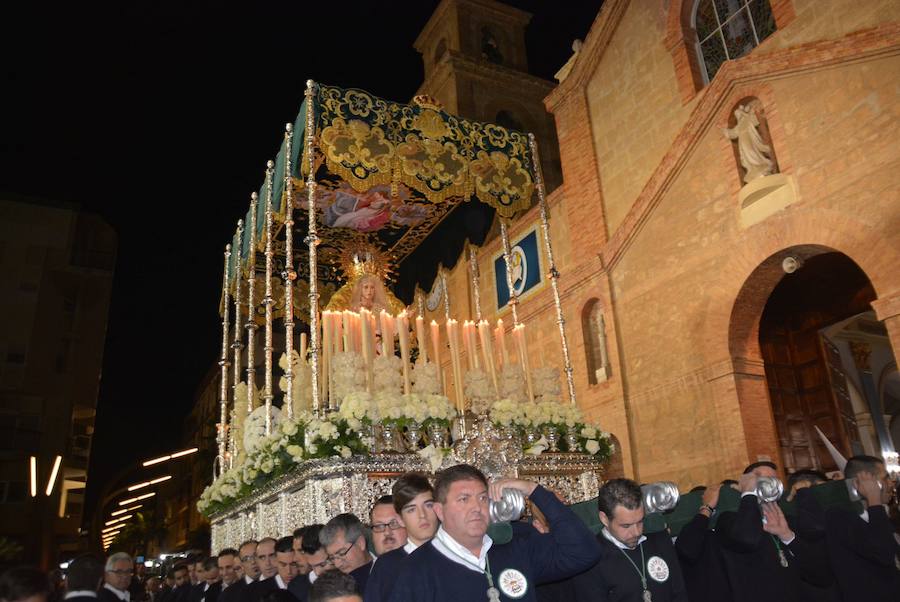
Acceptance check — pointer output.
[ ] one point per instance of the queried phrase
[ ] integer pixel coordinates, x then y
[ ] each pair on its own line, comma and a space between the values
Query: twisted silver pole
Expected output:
312, 241
268, 301
513, 301
446, 293
237, 344
224, 363
475, 274
251, 306
553, 272
289, 275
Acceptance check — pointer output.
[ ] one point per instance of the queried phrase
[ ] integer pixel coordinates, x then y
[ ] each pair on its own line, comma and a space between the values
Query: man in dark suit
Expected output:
345, 542
197, 572
182, 590
413, 499
83, 578
765, 558
633, 566
228, 562
117, 577
265, 560
699, 555
861, 546
212, 583
315, 557
244, 557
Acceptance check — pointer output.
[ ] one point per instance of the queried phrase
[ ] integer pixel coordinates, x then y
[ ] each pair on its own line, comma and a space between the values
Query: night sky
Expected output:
160, 117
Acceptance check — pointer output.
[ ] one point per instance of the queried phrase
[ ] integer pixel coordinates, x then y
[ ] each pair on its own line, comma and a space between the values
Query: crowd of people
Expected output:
429, 542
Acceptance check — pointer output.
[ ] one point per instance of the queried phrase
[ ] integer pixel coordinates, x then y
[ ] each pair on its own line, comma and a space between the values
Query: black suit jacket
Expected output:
233, 592
361, 575
256, 590
299, 587
701, 562
752, 561
212, 594
615, 579
104, 595
864, 555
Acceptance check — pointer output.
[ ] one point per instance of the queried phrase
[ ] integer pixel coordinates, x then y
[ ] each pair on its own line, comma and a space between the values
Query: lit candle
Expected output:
436, 353
484, 333
472, 346
303, 347
346, 323
327, 332
420, 339
366, 347
339, 343
403, 333
501, 342
453, 337
387, 336
519, 335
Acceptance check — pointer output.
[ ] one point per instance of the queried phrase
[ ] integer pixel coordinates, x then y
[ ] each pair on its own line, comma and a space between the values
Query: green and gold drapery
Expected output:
388, 173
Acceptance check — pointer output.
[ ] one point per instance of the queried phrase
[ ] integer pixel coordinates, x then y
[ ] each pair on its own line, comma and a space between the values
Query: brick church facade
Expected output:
713, 321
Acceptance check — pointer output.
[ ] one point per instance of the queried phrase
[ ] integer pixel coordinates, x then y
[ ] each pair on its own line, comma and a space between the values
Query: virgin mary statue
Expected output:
365, 289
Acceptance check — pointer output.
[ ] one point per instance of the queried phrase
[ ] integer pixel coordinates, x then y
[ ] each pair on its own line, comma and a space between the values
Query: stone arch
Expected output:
740, 288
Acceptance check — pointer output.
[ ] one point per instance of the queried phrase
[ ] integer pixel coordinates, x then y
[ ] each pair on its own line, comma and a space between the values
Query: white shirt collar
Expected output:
864, 514
124, 596
455, 551
83, 593
312, 577
280, 582
206, 587
409, 546
618, 543
249, 579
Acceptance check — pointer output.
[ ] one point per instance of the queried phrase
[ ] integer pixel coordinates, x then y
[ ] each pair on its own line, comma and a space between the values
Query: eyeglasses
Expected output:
322, 564
394, 525
343, 553
122, 572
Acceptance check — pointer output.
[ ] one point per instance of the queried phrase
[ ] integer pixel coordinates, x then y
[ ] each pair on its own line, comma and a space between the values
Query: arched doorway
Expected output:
807, 383
808, 352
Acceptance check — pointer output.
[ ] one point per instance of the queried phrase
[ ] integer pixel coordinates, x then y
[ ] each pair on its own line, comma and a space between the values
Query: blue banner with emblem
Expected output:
526, 268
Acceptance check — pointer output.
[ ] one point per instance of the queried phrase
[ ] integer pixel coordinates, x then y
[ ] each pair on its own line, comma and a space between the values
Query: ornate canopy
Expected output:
392, 175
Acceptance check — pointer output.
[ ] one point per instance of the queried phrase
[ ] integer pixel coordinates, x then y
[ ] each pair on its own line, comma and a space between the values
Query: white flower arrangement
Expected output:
348, 374
426, 379
433, 455
255, 427
512, 383
388, 374
301, 386
506, 412
545, 384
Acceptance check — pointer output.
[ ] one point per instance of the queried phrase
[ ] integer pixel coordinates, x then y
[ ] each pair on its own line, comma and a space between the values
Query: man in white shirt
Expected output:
119, 570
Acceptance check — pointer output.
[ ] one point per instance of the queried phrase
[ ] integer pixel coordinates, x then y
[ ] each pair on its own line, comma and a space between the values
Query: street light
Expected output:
53, 474
148, 483
171, 456
118, 520
136, 499
124, 510
33, 463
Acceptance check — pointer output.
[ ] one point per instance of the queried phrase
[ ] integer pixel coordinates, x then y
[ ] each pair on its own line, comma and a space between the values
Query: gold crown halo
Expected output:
361, 258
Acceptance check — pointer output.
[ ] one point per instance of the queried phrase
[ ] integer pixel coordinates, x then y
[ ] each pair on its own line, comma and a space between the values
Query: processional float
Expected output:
379, 191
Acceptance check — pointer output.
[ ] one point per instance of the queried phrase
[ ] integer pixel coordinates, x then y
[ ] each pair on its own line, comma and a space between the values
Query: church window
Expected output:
490, 47
729, 29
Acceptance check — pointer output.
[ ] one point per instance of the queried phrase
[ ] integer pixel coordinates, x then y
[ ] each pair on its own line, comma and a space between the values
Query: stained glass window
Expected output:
729, 29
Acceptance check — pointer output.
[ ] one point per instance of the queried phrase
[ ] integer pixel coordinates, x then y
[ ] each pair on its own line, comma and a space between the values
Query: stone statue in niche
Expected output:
756, 155
602, 371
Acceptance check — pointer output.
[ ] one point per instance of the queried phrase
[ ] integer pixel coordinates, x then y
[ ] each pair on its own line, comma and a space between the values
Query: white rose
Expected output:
267, 465
345, 451
289, 428
295, 451
312, 448
592, 446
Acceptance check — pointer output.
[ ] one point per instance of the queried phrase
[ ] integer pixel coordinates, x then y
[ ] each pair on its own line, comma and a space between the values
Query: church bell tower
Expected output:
476, 66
